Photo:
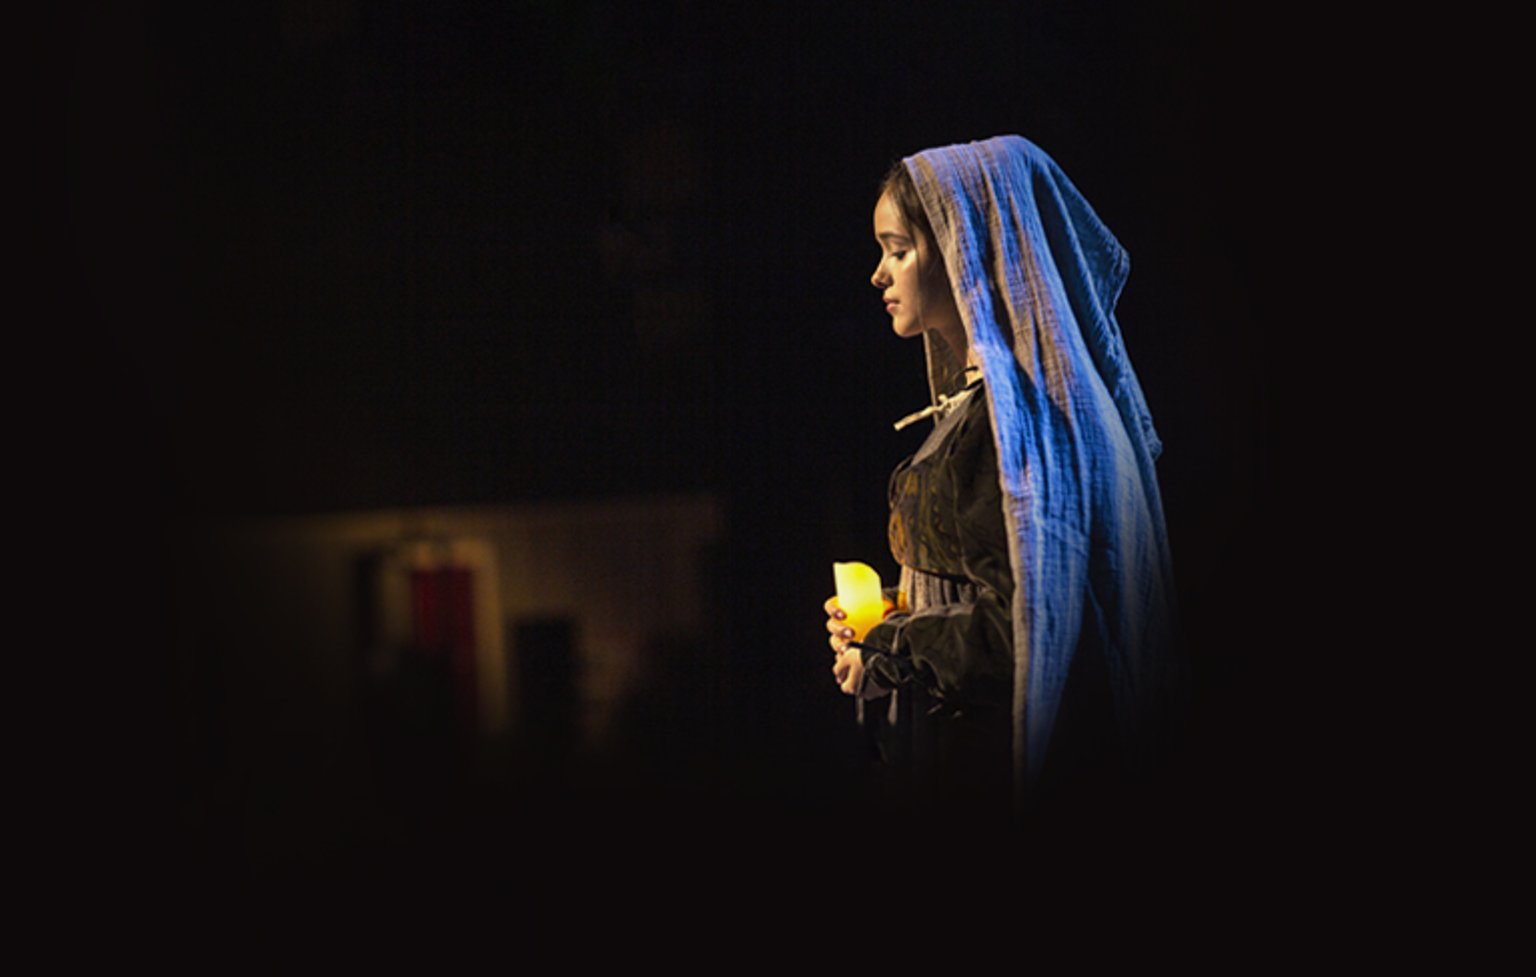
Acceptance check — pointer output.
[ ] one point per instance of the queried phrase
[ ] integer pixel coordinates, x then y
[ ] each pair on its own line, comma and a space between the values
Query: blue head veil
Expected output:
1036, 276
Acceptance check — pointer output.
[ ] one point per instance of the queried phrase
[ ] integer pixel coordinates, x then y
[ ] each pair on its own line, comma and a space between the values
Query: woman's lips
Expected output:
890, 305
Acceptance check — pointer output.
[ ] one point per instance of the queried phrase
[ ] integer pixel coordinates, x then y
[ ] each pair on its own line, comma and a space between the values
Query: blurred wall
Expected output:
317, 700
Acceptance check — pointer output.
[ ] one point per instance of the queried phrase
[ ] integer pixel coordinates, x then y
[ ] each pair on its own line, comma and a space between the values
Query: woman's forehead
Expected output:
888, 220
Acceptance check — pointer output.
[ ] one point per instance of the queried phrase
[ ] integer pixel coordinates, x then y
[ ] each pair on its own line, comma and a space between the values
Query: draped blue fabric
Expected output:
1036, 276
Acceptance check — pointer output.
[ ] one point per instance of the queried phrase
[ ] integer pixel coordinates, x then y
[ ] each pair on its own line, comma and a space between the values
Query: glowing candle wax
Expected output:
858, 594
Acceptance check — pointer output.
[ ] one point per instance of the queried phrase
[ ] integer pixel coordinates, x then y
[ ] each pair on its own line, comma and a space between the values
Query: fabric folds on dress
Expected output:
1036, 276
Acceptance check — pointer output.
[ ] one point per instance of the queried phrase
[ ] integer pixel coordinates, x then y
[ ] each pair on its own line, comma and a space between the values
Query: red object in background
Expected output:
443, 625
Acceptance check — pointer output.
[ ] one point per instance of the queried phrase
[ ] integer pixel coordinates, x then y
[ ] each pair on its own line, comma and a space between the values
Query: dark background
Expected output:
340, 256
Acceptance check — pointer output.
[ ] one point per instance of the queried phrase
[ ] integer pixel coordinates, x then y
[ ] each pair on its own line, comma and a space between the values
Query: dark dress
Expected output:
950, 659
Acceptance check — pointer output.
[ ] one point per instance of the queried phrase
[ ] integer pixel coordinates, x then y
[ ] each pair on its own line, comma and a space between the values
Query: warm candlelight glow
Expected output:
858, 594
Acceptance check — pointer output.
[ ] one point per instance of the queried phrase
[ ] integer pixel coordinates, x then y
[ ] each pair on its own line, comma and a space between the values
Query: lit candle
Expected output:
858, 594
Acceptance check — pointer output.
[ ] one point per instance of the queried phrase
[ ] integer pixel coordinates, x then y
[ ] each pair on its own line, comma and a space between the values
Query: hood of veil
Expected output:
1036, 276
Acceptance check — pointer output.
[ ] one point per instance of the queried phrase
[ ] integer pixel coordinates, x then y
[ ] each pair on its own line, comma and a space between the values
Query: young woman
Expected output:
1030, 640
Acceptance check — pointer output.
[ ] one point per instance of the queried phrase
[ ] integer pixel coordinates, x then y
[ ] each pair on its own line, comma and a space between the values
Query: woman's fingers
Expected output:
849, 672
840, 632
846, 675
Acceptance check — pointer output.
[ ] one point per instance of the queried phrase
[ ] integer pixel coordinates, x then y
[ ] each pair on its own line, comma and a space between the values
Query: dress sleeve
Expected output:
961, 651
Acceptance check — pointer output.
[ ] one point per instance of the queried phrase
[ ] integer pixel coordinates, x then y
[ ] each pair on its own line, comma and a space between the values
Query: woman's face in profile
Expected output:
916, 298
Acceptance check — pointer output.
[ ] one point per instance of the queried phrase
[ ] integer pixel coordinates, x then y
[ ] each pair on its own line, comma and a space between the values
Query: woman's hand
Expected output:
837, 627
848, 668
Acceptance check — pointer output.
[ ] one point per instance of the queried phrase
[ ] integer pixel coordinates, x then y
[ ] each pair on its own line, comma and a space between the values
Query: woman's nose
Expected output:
878, 279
